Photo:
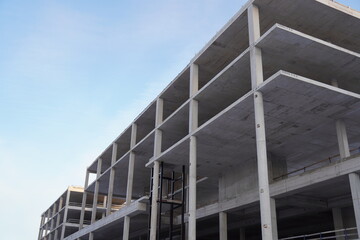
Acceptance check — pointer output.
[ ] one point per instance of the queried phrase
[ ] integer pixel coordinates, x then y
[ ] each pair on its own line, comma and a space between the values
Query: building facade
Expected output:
257, 138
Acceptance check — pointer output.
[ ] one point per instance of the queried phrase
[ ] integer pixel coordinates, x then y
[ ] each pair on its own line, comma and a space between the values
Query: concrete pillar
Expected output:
91, 236
154, 205
52, 225
193, 124
223, 225
255, 52
65, 214
129, 188
104, 206
96, 192
83, 203
41, 226
242, 234
111, 179
355, 193
126, 228
353, 177
267, 205
156, 168
338, 222
343, 143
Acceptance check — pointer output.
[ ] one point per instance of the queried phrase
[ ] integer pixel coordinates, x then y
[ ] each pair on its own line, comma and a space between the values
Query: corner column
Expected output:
130, 180
65, 214
156, 168
83, 203
41, 226
58, 218
111, 179
96, 192
267, 204
193, 124
354, 178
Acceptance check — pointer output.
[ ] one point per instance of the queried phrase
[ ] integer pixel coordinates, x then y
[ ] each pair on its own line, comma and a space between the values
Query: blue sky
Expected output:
73, 75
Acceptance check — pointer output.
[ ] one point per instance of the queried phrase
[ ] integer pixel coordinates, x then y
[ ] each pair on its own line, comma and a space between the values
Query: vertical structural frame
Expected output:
130, 181
83, 203
65, 214
267, 204
193, 124
354, 178
111, 179
156, 168
223, 225
96, 192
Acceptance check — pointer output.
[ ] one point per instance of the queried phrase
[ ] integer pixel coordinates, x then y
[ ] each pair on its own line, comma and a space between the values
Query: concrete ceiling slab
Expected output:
286, 49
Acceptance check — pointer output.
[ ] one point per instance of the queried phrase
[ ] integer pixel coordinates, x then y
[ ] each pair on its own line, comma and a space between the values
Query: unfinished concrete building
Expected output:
61, 219
257, 138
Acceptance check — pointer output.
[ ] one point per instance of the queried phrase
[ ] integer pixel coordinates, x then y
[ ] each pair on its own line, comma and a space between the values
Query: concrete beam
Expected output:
134, 209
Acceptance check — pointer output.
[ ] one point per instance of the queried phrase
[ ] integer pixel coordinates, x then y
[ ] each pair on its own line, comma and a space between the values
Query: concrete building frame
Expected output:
266, 119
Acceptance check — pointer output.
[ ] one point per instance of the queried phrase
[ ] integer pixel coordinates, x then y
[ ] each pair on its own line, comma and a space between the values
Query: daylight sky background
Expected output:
73, 75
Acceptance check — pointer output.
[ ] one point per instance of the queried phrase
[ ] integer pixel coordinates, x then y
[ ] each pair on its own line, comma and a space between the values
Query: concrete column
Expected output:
65, 214
353, 177
344, 150
193, 124
111, 179
156, 168
154, 205
355, 193
91, 236
242, 234
194, 79
41, 226
338, 222
267, 205
52, 216
83, 203
255, 52
130, 180
126, 228
96, 193
104, 206
223, 225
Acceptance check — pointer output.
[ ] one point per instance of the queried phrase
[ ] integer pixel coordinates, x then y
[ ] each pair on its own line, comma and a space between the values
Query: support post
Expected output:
156, 168
58, 218
355, 193
154, 207
338, 222
65, 214
129, 188
193, 124
267, 205
96, 192
354, 179
41, 226
111, 179
223, 225
242, 234
83, 203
